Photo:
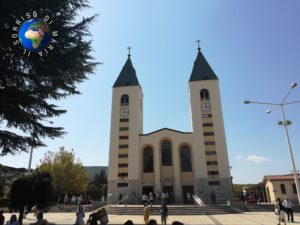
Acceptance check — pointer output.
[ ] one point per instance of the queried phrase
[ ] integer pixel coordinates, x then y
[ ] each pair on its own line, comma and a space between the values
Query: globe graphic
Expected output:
35, 35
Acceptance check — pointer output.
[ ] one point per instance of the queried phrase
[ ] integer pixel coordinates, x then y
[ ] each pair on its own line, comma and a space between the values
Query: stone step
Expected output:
173, 210
264, 207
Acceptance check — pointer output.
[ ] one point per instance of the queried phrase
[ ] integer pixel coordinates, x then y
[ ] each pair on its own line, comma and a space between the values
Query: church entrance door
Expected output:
187, 194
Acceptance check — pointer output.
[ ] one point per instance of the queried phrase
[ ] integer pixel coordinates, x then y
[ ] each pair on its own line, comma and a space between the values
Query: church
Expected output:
166, 160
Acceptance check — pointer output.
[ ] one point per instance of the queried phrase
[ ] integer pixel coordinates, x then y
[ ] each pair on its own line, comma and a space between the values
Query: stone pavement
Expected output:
247, 218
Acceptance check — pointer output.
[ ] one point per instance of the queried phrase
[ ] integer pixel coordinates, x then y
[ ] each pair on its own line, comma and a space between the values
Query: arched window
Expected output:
282, 188
294, 188
125, 100
204, 94
148, 160
185, 159
166, 153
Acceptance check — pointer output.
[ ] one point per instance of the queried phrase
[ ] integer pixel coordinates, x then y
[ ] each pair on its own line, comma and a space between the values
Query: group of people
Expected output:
74, 200
100, 215
163, 214
152, 222
164, 197
14, 221
148, 199
282, 209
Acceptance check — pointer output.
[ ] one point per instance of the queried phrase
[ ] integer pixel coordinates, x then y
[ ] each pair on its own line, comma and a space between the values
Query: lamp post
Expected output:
33, 136
31, 152
284, 123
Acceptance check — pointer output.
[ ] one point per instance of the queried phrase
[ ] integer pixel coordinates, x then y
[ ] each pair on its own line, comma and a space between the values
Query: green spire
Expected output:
201, 69
127, 77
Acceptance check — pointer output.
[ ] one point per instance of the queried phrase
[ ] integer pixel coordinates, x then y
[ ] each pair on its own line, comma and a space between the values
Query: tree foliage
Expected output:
29, 86
100, 178
69, 176
94, 191
2, 183
32, 190
98, 187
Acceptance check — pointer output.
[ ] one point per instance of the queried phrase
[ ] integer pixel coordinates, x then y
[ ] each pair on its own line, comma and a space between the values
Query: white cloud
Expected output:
238, 157
258, 159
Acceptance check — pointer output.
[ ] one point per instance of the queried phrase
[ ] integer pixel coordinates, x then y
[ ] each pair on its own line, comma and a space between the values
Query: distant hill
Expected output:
10, 173
92, 170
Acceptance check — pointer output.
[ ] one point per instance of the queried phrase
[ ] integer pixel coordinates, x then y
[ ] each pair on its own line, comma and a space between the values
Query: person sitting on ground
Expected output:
13, 220
128, 222
103, 217
94, 217
152, 222
40, 220
177, 223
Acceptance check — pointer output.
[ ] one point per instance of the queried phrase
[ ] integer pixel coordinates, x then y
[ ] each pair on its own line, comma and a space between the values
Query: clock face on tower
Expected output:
124, 112
206, 107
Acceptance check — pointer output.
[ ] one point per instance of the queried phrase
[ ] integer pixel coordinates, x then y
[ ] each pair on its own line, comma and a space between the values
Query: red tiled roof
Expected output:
280, 177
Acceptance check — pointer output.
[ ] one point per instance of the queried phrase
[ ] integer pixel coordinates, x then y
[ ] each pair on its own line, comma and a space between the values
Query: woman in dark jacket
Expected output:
279, 211
164, 214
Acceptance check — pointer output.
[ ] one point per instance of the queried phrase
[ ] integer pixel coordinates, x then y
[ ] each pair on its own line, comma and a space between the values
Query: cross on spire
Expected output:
129, 51
198, 41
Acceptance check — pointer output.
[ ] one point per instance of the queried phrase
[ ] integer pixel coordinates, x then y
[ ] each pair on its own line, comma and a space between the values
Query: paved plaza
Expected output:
248, 218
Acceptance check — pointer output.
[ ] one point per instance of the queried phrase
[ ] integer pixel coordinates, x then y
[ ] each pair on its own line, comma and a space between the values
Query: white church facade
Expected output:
166, 160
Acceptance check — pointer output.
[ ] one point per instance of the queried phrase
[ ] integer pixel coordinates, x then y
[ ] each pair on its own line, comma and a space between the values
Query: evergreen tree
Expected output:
32, 190
100, 178
30, 84
2, 183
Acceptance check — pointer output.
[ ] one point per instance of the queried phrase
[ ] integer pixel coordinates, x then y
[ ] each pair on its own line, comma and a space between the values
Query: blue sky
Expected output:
252, 46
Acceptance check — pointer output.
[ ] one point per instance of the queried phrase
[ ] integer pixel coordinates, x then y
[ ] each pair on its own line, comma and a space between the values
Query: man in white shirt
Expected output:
288, 209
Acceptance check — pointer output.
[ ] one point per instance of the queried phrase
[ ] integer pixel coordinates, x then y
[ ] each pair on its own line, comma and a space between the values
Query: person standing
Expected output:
79, 215
66, 199
120, 198
163, 197
168, 197
13, 220
288, 209
150, 199
132, 197
145, 199
73, 200
146, 214
163, 214
279, 211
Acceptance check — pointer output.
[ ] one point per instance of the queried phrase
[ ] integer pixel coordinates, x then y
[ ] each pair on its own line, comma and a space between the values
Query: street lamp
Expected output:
284, 123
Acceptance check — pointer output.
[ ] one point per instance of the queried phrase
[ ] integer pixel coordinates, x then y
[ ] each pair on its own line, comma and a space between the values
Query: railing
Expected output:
198, 201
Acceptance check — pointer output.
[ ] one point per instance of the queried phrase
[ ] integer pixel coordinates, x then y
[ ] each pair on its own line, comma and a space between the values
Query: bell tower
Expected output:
213, 172
126, 126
